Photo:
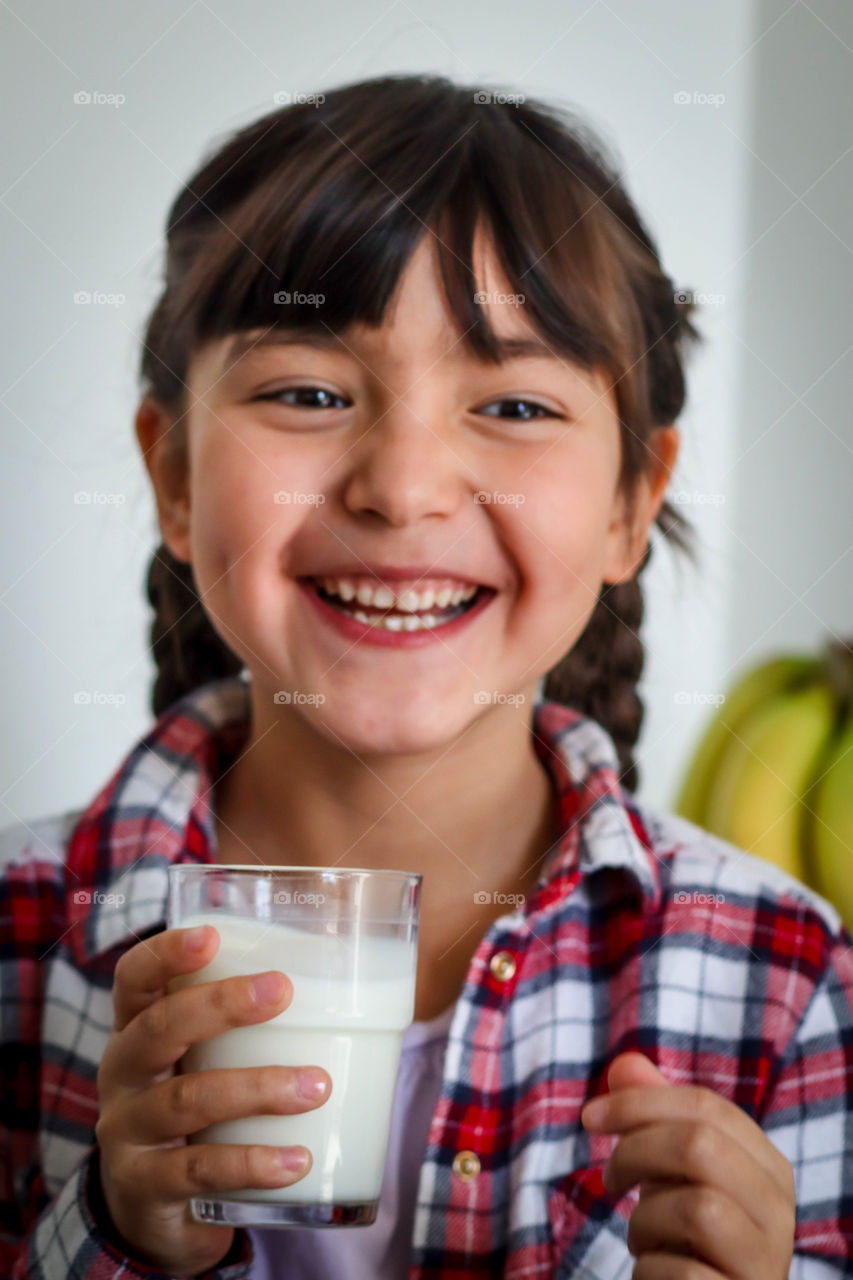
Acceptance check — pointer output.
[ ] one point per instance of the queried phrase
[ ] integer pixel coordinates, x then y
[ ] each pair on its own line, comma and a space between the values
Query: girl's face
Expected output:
398, 448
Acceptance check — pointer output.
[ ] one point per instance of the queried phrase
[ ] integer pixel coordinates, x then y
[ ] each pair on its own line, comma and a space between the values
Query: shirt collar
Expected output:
157, 809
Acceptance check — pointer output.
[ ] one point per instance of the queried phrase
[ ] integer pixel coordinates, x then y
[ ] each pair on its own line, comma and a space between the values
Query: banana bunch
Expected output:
773, 771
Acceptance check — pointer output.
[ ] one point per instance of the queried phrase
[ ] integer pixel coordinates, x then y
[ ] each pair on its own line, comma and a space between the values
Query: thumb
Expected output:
631, 1069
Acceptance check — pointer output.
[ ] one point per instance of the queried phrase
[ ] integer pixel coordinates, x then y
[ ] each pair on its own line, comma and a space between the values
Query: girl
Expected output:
409, 408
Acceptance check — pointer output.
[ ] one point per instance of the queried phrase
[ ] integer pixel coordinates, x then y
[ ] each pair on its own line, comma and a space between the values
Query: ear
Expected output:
164, 453
626, 547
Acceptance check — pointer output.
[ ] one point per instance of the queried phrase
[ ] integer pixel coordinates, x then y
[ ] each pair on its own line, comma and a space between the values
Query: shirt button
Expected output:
502, 965
466, 1165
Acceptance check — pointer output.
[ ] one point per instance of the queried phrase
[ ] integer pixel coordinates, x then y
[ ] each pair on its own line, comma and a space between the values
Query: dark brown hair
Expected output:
333, 197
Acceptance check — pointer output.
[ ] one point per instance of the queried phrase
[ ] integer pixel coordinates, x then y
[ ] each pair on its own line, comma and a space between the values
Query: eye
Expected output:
525, 405
304, 394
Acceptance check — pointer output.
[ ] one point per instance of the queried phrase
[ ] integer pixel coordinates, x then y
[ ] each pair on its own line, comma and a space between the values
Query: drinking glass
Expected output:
347, 940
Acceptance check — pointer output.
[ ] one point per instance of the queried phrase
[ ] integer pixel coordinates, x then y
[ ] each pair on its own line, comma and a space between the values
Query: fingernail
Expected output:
267, 988
311, 1085
292, 1159
196, 938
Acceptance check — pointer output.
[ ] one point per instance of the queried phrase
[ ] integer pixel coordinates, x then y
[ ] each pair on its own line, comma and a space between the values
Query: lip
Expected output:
394, 573
352, 629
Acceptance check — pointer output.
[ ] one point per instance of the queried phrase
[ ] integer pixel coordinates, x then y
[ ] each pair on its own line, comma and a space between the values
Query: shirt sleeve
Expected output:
73, 1238
809, 1117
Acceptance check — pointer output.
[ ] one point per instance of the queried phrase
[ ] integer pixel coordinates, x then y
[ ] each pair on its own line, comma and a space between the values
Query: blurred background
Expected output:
732, 123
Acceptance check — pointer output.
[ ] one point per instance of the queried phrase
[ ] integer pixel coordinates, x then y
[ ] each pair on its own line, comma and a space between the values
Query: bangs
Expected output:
312, 221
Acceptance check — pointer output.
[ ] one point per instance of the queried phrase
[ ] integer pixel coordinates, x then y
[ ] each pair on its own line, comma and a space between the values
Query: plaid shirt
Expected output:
643, 932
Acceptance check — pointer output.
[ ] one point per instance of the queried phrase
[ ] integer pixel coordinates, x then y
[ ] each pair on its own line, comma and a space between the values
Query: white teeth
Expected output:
410, 600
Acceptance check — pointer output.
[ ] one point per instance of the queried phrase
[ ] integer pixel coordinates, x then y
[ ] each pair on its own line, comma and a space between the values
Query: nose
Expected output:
403, 470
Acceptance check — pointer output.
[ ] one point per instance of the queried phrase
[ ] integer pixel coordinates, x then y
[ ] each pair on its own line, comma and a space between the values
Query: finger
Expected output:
141, 973
629, 1108
698, 1153
160, 1035
705, 1221
210, 1168
664, 1266
184, 1104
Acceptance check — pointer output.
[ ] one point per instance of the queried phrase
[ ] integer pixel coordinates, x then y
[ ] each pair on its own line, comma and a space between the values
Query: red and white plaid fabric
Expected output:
644, 932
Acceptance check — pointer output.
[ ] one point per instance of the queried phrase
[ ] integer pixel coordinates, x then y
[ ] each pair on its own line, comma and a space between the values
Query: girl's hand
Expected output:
713, 1188
149, 1173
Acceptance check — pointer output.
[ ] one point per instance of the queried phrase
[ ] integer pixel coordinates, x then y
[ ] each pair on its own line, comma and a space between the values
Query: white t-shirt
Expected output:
380, 1251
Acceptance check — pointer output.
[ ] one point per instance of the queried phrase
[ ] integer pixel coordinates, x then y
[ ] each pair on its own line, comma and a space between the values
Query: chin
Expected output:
389, 725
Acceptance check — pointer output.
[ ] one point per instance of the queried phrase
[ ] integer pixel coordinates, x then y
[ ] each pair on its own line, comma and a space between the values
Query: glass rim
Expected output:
272, 868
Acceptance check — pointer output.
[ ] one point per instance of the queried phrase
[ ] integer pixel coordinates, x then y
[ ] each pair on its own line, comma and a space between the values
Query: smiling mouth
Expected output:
397, 619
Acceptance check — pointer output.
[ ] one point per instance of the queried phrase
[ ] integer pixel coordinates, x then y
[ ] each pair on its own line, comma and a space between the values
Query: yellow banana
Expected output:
830, 844
755, 800
752, 689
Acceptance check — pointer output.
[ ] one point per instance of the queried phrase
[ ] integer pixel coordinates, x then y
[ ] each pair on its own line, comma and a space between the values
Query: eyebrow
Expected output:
509, 347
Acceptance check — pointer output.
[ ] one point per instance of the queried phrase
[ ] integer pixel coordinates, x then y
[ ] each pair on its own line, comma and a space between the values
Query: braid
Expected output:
599, 676
186, 648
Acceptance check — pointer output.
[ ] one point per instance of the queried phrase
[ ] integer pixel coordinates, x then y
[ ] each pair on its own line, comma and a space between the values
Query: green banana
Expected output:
756, 797
830, 843
752, 689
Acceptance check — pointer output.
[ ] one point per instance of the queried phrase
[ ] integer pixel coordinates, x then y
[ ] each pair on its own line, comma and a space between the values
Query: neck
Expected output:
473, 810
478, 816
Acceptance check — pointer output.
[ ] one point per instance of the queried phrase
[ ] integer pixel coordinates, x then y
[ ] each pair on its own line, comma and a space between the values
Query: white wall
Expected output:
87, 191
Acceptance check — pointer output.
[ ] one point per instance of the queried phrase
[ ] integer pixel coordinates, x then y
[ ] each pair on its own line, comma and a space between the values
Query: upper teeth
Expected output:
408, 600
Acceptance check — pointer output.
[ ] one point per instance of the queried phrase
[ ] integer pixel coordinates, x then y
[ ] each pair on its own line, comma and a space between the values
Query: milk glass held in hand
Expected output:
347, 942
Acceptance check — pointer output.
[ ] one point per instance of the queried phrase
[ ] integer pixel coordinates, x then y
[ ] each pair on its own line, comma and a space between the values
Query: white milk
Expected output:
352, 999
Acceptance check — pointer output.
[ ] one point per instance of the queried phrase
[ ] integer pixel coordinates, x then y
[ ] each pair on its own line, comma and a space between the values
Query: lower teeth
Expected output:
400, 622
